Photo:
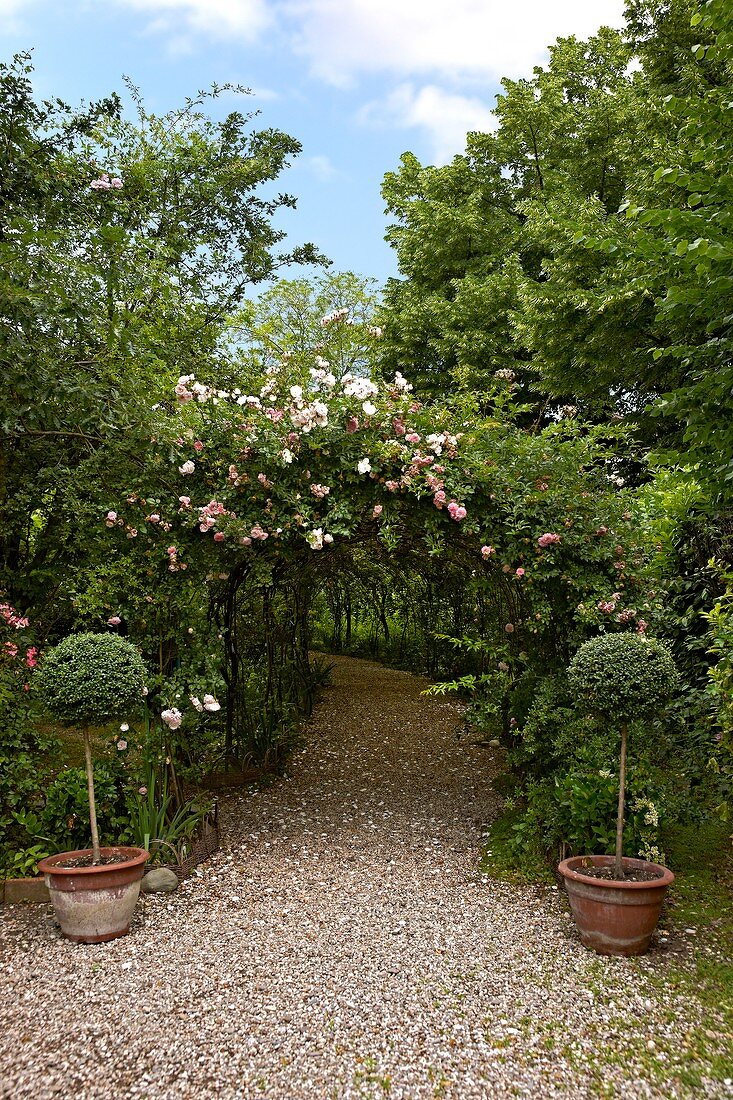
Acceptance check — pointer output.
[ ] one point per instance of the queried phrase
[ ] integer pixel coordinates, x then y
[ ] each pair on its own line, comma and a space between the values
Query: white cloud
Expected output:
445, 117
9, 12
341, 40
322, 168
459, 39
243, 20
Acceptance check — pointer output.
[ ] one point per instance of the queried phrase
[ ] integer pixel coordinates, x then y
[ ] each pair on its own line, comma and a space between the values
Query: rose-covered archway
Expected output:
254, 497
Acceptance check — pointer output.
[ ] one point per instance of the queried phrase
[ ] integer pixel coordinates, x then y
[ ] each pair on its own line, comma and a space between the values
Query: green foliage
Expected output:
89, 679
574, 811
108, 293
720, 620
624, 676
65, 816
155, 823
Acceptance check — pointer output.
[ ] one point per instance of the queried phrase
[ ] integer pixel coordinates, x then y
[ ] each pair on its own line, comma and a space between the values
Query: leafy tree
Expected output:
124, 247
290, 321
473, 238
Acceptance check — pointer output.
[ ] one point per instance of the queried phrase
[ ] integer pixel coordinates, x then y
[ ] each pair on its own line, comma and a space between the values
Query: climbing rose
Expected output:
114, 620
520, 573
121, 745
187, 467
364, 466
486, 552
377, 511
211, 704
111, 519
172, 718
196, 702
548, 540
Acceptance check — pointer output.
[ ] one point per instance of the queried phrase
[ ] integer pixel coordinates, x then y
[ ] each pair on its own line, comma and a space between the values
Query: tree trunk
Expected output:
618, 872
96, 855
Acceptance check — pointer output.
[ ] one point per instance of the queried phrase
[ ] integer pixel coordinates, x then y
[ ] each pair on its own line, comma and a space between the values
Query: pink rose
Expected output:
519, 573
377, 511
114, 620
486, 552
456, 511
198, 446
219, 536
412, 437
121, 745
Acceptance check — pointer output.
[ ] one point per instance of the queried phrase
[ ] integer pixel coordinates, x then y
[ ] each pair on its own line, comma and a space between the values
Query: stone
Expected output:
161, 880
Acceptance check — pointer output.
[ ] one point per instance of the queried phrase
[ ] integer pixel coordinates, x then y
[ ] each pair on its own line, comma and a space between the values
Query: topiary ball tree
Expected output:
88, 680
623, 676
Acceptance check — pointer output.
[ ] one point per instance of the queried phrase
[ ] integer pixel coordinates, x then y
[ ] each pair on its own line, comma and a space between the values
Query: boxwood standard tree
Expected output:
625, 677
89, 680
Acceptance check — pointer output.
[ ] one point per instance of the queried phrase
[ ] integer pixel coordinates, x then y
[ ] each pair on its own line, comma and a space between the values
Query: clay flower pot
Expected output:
95, 903
615, 916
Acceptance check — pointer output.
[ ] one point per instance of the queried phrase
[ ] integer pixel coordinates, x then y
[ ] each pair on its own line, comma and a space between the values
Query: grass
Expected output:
702, 898
499, 860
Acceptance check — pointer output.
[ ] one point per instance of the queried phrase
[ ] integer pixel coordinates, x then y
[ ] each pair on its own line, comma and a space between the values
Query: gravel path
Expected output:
344, 944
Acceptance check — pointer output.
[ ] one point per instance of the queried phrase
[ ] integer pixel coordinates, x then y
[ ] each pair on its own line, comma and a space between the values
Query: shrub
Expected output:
89, 679
625, 675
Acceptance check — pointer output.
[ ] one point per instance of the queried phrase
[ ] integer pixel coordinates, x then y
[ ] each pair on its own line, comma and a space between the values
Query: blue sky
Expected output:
358, 82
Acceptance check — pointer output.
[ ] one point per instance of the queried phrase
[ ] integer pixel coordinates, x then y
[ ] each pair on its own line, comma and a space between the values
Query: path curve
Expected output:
342, 944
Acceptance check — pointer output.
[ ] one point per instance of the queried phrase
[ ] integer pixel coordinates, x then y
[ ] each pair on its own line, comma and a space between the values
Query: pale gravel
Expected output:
345, 944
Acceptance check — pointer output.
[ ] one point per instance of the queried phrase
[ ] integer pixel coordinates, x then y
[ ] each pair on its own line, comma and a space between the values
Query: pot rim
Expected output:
136, 857
568, 871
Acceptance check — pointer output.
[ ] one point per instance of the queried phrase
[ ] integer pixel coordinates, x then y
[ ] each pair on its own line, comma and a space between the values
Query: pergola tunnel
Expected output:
276, 632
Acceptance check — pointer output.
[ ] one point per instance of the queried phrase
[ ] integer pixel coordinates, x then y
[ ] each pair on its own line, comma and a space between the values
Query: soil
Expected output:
88, 861
606, 873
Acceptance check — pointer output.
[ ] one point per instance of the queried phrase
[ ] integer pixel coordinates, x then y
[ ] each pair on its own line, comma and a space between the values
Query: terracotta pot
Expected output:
614, 917
95, 904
